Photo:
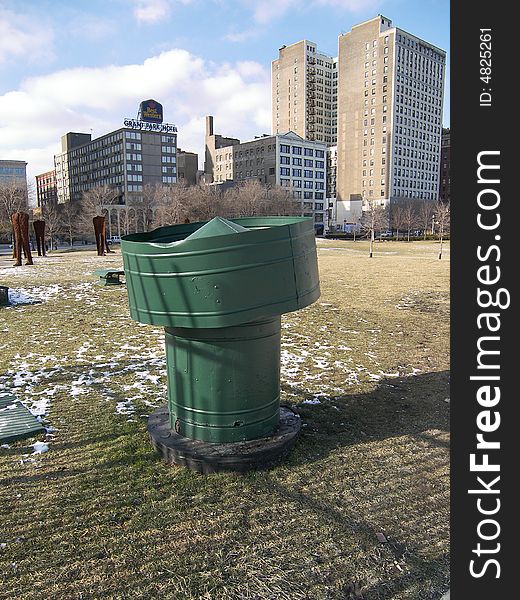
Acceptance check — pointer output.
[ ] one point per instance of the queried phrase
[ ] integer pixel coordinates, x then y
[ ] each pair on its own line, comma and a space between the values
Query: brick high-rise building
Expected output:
390, 99
304, 87
46, 190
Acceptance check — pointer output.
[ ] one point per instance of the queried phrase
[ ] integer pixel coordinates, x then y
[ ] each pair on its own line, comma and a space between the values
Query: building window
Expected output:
285, 148
296, 150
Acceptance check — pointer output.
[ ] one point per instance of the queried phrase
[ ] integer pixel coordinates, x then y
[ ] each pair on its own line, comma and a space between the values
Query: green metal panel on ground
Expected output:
16, 422
219, 289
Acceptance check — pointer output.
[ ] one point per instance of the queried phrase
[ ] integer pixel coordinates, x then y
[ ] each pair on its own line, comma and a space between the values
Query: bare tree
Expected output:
442, 218
203, 202
69, 219
173, 204
398, 218
425, 215
146, 205
374, 218
409, 217
13, 198
282, 203
53, 224
248, 199
92, 205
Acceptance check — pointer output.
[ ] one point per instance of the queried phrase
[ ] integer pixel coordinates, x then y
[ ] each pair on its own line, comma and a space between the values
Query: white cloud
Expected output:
34, 117
266, 11
24, 39
91, 27
350, 5
151, 11
241, 36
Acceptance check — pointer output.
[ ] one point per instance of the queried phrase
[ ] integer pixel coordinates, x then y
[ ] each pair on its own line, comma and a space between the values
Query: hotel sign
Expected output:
146, 126
151, 111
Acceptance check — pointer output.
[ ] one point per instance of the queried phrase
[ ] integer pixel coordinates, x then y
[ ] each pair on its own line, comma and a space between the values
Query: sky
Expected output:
85, 65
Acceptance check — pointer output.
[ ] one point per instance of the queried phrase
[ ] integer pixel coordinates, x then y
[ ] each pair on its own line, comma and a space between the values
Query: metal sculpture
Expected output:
39, 231
20, 223
100, 231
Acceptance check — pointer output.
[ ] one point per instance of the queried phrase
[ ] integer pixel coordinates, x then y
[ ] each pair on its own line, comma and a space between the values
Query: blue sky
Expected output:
85, 65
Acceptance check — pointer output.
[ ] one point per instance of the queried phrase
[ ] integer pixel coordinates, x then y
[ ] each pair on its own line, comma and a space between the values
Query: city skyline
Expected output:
65, 68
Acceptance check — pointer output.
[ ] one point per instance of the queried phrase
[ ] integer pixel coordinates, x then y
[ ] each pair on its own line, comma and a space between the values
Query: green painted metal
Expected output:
224, 383
219, 288
16, 422
178, 280
109, 276
4, 295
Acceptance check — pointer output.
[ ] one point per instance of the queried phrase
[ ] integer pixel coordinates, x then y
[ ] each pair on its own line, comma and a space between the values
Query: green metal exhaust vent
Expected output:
219, 289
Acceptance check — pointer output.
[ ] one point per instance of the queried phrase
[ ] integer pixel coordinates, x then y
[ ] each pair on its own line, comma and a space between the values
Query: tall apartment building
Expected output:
46, 190
444, 183
285, 160
390, 99
304, 92
126, 159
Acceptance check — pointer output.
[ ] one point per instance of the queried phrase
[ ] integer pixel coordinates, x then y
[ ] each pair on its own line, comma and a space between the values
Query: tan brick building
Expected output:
390, 99
304, 88
283, 159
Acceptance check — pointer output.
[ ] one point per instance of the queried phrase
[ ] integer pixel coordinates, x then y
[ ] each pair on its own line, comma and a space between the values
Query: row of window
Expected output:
307, 162
297, 183
286, 149
286, 172
308, 195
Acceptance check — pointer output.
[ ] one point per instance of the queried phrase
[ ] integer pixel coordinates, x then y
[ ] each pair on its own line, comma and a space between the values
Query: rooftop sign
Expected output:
146, 126
150, 111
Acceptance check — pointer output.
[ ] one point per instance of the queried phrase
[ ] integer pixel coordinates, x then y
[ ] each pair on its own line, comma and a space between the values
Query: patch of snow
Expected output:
40, 447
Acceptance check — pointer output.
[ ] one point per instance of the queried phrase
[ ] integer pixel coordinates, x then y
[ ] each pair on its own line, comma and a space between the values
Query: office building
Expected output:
284, 159
351, 210
126, 159
390, 100
444, 183
46, 190
14, 172
304, 92
214, 142
187, 167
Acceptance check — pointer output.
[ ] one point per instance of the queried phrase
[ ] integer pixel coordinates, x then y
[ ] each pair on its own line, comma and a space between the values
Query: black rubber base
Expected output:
209, 457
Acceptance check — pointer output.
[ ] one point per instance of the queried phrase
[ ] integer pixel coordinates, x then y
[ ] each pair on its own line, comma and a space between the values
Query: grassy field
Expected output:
359, 509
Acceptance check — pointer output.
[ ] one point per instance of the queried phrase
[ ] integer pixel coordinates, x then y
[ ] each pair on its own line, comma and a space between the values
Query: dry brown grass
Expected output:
100, 516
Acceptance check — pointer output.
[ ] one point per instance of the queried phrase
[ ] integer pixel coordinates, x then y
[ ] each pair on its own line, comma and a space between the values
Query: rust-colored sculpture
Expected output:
20, 223
100, 231
39, 231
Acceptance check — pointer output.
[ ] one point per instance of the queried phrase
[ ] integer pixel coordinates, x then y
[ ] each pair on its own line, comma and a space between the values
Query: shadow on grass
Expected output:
395, 407
394, 551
